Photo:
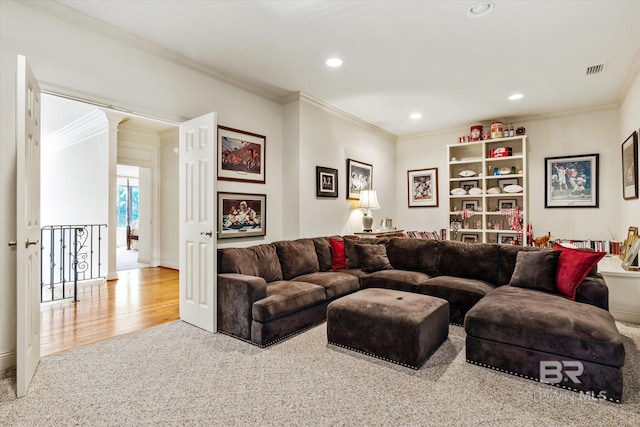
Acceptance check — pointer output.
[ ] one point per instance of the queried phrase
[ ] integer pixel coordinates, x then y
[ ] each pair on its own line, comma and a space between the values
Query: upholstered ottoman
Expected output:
401, 327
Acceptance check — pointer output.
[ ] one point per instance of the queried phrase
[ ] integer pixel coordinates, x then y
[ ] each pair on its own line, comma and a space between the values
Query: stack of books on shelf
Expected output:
607, 246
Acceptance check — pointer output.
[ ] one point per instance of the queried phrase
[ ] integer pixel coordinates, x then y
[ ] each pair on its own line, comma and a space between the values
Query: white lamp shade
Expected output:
369, 200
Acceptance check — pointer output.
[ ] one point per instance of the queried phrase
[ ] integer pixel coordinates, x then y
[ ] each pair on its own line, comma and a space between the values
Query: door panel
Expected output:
197, 221
27, 226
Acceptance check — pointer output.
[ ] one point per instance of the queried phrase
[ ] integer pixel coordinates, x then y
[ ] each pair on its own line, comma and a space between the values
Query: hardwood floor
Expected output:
138, 300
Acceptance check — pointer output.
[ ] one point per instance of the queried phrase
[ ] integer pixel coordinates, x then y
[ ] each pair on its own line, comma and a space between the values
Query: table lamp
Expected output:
368, 201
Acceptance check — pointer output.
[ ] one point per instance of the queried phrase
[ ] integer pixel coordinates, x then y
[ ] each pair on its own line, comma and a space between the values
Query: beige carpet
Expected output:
176, 374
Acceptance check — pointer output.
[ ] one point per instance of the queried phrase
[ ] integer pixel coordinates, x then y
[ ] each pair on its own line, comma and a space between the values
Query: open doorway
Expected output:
132, 218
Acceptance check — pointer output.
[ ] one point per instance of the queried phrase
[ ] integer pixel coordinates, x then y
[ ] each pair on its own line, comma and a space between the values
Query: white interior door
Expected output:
28, 225
198, 257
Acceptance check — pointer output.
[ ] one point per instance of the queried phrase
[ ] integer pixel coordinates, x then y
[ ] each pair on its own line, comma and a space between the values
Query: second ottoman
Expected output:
402, 327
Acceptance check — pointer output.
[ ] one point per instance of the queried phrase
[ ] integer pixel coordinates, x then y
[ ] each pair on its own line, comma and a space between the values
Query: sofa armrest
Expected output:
236, 295
593, 290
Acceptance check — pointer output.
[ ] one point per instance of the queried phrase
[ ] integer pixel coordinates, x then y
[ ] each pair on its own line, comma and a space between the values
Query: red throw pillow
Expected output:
573, 267
338, 258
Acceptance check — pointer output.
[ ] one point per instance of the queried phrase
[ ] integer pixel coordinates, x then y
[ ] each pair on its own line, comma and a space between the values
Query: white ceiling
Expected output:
401, 57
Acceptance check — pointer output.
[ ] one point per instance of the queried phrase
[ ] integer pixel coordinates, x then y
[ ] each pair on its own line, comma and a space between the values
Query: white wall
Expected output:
75, 182
629, 121
328, 139
567, 134
78, 62
169, 196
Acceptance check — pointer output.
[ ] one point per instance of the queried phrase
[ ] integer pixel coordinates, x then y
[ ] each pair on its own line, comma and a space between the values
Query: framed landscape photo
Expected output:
423, 188
241, 155
630, 167
326, 182
241, 215
359, 177
571, 181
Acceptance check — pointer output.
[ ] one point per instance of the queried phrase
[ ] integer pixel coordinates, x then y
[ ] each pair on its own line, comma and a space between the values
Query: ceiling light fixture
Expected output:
415, 116
334, 62
516, 96
480, 9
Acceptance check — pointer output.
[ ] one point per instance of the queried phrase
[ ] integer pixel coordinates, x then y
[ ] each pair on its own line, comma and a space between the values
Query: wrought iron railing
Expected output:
70, 254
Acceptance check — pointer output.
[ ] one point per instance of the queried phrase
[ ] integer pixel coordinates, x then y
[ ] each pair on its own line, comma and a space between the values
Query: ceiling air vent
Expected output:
595, 69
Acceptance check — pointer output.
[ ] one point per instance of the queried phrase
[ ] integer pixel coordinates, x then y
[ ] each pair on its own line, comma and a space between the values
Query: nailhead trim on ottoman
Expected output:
401, 327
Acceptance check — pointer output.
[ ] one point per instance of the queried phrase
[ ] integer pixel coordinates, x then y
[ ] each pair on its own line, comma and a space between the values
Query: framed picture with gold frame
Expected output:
632, 247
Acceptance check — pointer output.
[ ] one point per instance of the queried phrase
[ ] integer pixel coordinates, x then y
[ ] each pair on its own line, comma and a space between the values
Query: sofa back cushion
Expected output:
297, 257
268, 263
414, 255
472, 261
323, 252
238, 260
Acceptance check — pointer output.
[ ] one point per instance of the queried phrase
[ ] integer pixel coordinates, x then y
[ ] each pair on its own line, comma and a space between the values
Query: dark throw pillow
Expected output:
536, 270
338, 259
573, 266
373, 257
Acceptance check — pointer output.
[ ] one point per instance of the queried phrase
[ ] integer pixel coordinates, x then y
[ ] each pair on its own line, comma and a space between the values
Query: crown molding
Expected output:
82, 129
301, 96
88, 23
629, 80
169, 136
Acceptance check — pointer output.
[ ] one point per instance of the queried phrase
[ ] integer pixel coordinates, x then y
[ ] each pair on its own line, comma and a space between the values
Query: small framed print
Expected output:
506, 239
468, 185
470, 205
469, 238
326, 182
507, 204
241, 155
241, 215
423, 188
359, 177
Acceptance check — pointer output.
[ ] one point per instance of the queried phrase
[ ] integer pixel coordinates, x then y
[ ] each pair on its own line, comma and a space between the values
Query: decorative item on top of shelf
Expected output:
359, 178
241, 215
571, 181
326, 182
476, 133
241, 155
423, 188
542, 241
630, 167
486, 135
520, 131
495, 153
497, 131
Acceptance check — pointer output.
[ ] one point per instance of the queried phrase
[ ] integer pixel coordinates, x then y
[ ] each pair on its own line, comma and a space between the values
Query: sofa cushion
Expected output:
458, 291
507, 263
238, 260
478, 261
414, 254
400, 280
573, 266
323, 252
297, 257
334, 284
546, 322
536, 270
350, 251
373, 257
268, 262
286, 297
338, 258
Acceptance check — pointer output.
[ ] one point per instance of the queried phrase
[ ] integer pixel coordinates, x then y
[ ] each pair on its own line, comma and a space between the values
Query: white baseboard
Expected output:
626, 316
7, 360
170, 265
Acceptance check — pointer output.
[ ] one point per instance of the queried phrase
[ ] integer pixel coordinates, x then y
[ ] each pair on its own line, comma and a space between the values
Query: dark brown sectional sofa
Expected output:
268, 292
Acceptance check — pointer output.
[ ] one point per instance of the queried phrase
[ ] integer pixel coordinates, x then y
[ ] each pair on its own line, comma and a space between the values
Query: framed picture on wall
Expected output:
241, 155
241, 215
326, 182
423, 187
571, 181
630, 167
359, 177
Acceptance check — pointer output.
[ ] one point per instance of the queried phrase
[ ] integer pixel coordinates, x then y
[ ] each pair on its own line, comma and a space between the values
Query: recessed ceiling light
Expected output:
480, 9
516, 96
334, 62
415, 116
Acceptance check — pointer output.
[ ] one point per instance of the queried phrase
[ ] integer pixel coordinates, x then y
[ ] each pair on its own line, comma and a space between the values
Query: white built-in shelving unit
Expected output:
473, 161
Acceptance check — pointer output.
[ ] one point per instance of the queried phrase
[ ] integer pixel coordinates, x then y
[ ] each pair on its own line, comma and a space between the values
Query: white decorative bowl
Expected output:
504, 171
494, 190
513, 188
467, 173
475, 191
458, 192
